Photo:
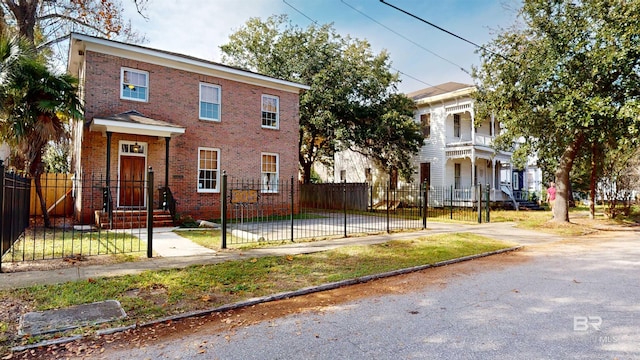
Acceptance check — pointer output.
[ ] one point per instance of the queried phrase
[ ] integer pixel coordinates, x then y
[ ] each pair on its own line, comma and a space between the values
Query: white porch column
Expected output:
473, 167
493, 177
473, 127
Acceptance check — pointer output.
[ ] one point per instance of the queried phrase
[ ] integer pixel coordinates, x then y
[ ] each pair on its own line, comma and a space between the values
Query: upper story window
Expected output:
208, 170
425, 125
269, 173
270, 111
209, 102
456, 125
134, 84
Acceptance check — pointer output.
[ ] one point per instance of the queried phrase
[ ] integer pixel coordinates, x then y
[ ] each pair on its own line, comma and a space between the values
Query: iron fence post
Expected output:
223, 211
451, 203
488, 203
292, 207
425, 198
344, 204
388, 191
150, 213
479, 190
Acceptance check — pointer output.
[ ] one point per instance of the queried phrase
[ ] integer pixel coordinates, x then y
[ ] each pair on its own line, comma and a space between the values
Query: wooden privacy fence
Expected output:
351, 196
56, 191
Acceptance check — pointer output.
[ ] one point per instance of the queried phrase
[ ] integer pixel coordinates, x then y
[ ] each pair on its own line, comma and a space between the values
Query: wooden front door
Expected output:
132, 181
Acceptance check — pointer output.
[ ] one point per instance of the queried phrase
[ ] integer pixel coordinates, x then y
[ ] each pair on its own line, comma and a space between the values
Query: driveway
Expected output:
576, 299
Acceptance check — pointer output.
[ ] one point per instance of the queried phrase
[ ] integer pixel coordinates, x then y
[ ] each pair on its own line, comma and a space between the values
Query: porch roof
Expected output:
133, 122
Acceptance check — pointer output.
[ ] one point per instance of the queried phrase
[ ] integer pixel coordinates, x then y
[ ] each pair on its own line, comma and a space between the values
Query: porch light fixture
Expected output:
136, 148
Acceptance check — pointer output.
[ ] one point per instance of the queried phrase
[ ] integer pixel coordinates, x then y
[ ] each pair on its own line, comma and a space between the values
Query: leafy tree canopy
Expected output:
567, 79
45, 22
352, 102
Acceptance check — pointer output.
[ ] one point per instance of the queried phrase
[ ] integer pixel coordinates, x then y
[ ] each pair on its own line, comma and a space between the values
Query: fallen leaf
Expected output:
254, 260
290, 257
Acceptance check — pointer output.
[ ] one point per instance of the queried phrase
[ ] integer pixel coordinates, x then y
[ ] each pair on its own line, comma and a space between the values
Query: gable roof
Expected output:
442, 89
79, 43
133, 122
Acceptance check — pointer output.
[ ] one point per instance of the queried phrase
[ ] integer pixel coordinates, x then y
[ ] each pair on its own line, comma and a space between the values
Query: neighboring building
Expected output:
5, 152
456, 153
188, 119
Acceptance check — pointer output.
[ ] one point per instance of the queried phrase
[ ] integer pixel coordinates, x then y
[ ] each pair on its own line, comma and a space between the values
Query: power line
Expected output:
300, 12
446, 31
315, 22
406, 38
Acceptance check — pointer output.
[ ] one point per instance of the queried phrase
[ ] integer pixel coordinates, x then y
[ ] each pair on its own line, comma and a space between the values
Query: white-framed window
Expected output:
208, 170
209, 102
269, 172
456, 125
270, 111
134, 84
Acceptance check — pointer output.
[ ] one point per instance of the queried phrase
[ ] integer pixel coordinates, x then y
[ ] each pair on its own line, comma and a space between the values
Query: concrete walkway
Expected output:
175, 251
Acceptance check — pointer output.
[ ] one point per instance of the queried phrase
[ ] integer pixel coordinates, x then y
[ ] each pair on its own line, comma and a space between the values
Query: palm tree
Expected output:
35, 105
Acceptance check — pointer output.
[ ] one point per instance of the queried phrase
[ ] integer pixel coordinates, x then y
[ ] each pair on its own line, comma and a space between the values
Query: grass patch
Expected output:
57, 244
155, 294
209, 238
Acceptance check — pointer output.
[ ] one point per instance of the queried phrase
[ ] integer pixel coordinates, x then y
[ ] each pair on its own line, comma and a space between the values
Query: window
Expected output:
209, 102
368, 175
269, 172
135, 85
425, 125
270, 110
456, 125
456, 176
343, 175
208, 170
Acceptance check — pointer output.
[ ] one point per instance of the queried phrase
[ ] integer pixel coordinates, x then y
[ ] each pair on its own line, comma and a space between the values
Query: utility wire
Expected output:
300, 12
446, 31
406, 38
403, 73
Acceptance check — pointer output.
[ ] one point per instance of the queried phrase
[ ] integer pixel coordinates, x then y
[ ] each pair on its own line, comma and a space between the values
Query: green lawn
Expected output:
155, 294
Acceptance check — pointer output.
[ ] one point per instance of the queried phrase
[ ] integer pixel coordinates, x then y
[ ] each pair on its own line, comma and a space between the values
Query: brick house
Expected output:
188, 119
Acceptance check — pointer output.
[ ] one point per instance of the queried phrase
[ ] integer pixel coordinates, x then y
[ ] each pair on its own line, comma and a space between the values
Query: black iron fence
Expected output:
315, 211
14, 207
69, 218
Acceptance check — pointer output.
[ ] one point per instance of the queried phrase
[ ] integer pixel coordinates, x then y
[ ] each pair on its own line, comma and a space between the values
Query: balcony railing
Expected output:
483, 140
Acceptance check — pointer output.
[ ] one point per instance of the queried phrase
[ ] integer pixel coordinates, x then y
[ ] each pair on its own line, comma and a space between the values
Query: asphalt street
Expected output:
575, 299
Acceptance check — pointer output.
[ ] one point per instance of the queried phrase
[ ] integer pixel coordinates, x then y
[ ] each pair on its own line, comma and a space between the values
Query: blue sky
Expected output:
424, 55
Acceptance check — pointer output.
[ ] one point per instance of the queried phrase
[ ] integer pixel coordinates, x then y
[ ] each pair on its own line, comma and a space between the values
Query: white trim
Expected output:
217, 188
134, 128
146, 85
219, 103
144, 155
81, 43
277, 179
277, 98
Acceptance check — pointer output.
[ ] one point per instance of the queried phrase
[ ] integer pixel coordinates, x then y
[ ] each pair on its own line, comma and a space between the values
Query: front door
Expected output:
132, 181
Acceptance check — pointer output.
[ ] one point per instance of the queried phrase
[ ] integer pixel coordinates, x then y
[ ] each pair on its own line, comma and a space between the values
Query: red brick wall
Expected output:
174, 98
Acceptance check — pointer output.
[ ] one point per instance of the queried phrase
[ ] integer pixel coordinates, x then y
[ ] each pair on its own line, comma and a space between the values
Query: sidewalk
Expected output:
175, 251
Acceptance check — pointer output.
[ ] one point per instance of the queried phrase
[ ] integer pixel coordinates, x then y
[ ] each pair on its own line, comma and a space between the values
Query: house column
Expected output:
108, 169
473, 166
473, 127
166, 161
493, 176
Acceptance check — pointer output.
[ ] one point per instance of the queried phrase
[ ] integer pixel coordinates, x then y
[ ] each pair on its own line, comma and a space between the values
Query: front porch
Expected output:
127, 197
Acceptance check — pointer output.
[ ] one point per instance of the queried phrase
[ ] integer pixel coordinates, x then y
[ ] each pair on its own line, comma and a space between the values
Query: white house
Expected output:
457, 150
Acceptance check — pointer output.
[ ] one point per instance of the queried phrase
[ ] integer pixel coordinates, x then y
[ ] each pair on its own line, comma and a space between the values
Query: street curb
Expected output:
269, 298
